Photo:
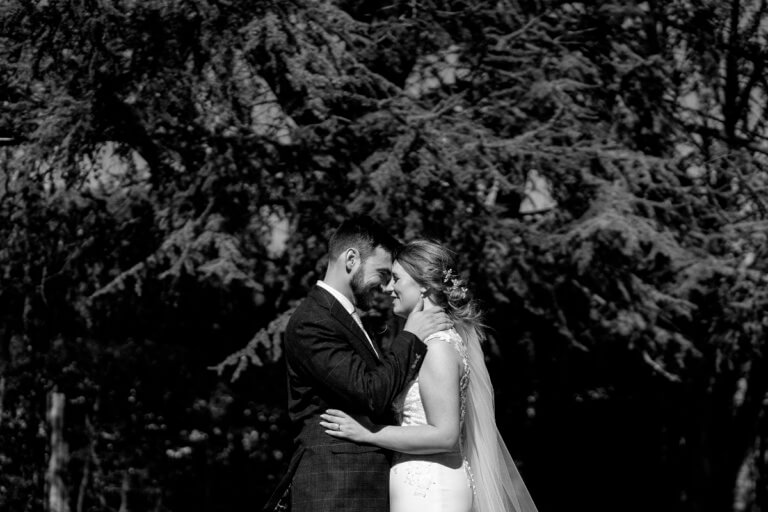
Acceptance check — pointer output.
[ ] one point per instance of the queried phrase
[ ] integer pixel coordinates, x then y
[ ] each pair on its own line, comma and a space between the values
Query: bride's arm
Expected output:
439, 386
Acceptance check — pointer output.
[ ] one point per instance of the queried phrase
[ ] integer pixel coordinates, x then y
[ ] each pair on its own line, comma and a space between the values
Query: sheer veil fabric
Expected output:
498, 485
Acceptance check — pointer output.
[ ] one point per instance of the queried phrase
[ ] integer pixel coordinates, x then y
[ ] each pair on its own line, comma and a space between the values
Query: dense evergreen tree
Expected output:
159, 151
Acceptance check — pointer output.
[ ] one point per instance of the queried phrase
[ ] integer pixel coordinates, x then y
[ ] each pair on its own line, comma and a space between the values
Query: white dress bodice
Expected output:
408, 407
435, 482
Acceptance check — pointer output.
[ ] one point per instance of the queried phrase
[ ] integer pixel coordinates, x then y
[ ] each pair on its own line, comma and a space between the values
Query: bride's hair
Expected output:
432, 266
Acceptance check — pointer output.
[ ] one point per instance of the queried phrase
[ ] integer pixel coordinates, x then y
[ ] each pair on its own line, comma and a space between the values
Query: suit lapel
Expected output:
358, 338
345, 319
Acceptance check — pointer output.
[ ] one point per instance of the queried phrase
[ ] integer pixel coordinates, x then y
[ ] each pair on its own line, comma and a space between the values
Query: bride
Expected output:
449, 455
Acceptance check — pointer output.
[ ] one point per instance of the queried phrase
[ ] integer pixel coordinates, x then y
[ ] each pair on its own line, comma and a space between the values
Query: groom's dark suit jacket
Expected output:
331, 365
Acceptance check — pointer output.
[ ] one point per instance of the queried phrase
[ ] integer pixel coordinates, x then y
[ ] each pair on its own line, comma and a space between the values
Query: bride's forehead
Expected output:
398, 270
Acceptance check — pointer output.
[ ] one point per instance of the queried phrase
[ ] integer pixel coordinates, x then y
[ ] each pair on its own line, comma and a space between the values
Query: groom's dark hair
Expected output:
362, 233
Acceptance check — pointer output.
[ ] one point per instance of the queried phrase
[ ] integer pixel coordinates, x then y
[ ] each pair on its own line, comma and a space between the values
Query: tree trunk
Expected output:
2, 398
87, 466
124, 490
57, 492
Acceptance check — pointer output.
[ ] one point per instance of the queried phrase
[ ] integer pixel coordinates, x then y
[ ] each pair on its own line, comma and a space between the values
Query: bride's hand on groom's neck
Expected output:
423, 322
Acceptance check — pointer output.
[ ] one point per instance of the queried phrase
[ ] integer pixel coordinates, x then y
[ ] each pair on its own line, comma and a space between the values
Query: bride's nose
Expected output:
389, 287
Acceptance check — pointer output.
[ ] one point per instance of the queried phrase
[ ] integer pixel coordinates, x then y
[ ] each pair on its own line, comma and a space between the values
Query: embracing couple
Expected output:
407, 429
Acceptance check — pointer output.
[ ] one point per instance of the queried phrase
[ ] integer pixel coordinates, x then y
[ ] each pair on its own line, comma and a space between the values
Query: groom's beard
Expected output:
362, 294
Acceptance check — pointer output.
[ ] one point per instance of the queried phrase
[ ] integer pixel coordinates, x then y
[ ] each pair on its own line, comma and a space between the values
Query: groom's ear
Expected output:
351, 257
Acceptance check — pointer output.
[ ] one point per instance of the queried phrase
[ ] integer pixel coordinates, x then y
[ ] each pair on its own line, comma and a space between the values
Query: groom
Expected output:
333, 363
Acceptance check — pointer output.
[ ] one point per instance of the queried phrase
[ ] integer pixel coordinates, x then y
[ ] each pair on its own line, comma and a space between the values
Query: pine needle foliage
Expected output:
176, 166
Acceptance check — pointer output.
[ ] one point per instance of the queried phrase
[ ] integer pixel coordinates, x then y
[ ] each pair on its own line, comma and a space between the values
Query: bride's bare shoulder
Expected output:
448, 335
442, 346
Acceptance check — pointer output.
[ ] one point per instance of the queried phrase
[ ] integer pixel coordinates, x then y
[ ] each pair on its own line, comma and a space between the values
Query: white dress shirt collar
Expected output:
338, 296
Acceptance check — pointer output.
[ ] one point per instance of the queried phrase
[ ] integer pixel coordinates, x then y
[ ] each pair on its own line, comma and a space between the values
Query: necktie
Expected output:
360, 323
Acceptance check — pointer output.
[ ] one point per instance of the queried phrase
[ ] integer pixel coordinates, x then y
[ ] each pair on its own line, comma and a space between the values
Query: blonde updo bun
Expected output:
432, 266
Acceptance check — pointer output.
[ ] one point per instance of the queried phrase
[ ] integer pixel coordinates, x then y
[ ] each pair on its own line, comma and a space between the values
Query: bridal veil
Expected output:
498, 485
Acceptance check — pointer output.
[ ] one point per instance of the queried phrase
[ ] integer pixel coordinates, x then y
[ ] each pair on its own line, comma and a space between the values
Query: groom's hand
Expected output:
423, 323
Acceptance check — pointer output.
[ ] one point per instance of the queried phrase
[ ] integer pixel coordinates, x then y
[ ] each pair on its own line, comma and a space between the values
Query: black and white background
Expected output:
170, 170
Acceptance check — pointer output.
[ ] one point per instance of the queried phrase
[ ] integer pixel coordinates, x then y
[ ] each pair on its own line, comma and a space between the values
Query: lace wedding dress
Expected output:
481, 476
440, 482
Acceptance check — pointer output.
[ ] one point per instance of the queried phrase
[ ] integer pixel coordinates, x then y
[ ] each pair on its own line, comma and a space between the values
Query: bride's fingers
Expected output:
332, 419
333, 429
336, 412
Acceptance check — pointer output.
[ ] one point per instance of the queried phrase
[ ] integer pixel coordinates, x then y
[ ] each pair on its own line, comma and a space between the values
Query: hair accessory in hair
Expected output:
456, 288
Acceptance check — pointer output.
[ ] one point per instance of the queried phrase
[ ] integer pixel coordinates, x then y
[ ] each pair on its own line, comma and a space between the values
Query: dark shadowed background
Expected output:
170, 170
